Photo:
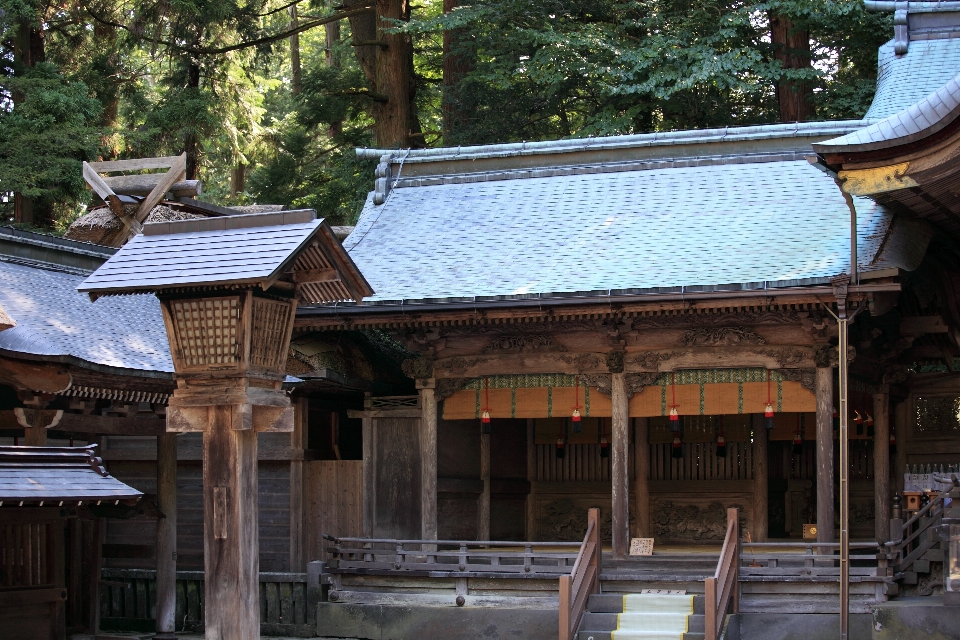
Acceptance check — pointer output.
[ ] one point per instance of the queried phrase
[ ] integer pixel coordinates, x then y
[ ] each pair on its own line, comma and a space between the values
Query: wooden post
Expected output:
881, 465
825, 513
760, 487
428, 460
619, 465
167, 535
531, 529
483, 501
641, 454
901, 427
231, 545
298, 442
369, 451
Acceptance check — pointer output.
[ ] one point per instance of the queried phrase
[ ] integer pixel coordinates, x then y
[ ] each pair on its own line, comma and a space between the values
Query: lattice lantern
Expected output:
229, 289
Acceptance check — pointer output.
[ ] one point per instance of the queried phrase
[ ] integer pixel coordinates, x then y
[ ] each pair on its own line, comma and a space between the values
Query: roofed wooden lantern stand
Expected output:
229, 289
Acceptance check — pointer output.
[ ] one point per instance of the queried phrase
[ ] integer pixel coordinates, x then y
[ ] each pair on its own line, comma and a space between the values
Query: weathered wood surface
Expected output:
231, 536
530, 530
298, 533
166, 532
619, 465
333, 497
428, 465
881, 465
142, 185
483, 501
760, 511
642, 477
825, 485
397, 478
127, 598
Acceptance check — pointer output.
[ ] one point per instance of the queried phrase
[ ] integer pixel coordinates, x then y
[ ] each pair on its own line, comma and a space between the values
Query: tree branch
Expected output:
201, 51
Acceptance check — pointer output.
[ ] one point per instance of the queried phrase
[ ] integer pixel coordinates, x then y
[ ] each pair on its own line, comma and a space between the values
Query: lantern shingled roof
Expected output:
234, 252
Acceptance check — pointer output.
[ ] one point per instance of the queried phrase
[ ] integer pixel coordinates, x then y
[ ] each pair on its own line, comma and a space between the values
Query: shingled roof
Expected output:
254, 249
55, 321
667, 224
31, 476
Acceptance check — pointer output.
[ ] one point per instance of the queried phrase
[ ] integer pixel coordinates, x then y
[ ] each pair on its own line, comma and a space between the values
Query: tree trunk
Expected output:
455, 67
238, 176
106, 37
363, 28
190, 143
396, 120
296, 73
332, 57
28, 50
791, 46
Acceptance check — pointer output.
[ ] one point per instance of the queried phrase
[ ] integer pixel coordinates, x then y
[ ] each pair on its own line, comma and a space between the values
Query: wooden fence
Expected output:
128, 602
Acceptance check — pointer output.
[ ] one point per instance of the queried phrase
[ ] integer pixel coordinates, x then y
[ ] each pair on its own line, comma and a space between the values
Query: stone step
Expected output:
613, 603
605, 635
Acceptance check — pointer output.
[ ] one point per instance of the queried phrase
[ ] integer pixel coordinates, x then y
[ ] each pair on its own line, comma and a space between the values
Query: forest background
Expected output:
269, 98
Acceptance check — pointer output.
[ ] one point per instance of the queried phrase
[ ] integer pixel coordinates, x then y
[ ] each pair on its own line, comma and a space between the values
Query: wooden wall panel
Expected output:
396, 477
332, 501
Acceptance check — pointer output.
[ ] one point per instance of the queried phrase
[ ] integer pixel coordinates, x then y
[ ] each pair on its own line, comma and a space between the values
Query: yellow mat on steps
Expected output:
653, 617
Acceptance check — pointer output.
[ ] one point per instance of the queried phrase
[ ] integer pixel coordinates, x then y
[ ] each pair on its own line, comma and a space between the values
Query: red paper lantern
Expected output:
561, 448
721, 446
604, 447
677, 449
485, 422
893, 445
858, 420
869, 423
797, 444
768, 420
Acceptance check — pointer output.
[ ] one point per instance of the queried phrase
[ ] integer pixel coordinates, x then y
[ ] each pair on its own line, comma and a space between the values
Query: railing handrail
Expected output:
796, 543
458, 543
727, 575
583, 579
926, 509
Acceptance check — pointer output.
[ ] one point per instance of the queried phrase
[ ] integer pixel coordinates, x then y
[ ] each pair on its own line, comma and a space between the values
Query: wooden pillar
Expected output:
825, 483
231, 545
35, 422
531, 529
483, 502
642, 480
298, 442
368, 466
167, 535
428, 460
881, 465
901, 428
619, 465
760, 472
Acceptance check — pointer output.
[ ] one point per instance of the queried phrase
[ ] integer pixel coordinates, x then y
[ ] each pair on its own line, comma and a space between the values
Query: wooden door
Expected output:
396, 478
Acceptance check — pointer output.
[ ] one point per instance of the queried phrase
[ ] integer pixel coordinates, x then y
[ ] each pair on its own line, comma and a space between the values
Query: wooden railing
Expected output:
458, 557
583, 580
810, 559
916, 534
727, 578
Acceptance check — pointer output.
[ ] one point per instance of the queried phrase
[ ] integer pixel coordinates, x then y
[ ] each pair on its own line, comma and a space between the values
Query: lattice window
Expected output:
937, 416
207, 331
395, 402
270, 320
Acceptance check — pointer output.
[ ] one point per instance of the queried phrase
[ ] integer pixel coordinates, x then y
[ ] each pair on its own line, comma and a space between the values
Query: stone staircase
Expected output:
600, 617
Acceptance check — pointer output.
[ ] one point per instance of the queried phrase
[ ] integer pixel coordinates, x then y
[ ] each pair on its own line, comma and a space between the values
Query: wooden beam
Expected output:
619, 465
920, 325
641, 454
881, 465
105, 425
428, 462
483, 500
142, 185
176, 173
135, 164
103, 190
40, 376
166, 598
761, 503
315, 275
298, 441
531, 507
825, 481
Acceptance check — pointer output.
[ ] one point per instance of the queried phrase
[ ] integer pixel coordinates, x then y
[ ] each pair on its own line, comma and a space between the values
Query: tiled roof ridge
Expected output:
928, 116
47, 266
690, 136
603, 167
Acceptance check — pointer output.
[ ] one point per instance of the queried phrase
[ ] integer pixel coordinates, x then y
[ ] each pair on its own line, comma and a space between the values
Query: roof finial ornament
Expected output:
901, 28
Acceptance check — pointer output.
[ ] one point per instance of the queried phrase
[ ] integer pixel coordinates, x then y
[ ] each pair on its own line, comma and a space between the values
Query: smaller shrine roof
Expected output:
255, 249
32, 475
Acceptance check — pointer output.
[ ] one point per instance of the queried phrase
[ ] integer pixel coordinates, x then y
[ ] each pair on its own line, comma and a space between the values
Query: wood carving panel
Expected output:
720, 337
565, 519
690, 522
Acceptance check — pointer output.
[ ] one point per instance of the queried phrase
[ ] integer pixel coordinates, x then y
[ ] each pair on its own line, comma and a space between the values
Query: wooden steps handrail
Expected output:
727, 576
583, 580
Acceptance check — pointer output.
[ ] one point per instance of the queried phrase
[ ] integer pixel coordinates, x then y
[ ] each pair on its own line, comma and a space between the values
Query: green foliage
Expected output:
44, 138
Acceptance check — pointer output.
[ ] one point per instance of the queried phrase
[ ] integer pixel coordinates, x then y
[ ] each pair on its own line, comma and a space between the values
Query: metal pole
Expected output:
844, 485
